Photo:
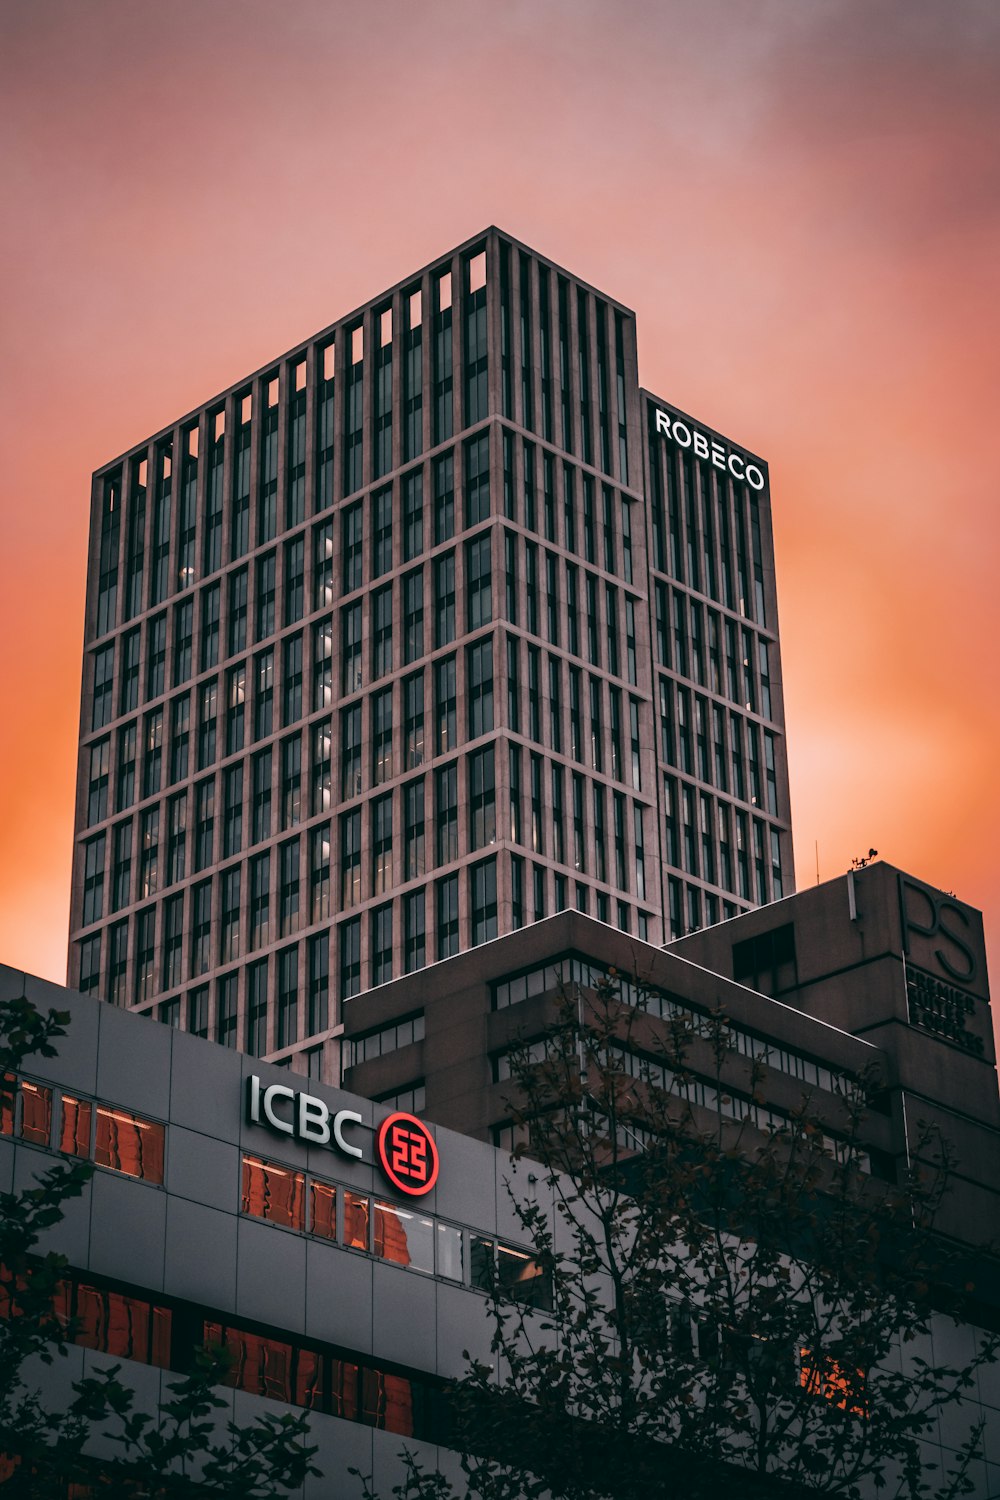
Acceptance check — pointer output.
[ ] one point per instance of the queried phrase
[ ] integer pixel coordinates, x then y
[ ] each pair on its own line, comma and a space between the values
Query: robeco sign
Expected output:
705, 447
404, 1147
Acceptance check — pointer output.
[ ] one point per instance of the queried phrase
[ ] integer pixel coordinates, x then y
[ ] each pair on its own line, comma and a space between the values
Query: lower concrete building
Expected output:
340, 1242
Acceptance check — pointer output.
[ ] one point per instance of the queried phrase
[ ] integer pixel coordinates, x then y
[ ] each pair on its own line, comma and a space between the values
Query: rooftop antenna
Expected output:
817, 861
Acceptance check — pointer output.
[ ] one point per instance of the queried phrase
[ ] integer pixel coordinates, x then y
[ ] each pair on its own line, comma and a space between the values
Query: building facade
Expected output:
433, 627
236, 1202
837, 984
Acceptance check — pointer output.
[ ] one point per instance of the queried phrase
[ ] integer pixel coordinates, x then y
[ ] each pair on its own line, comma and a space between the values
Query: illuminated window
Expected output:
403, 1237
36, 1113
356, 1216
128, 1327
129, 1144
521, 1279
825, 1377
322, 1209
273, 1193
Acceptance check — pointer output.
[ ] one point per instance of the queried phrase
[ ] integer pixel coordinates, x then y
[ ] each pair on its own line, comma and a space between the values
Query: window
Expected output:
260, 899
478, 582
232, 811
446, 811
156, 655
413, 615
104, 672
291, 782
477, 479
257, 1008
351, 647
381, 503
413, 721
382, 403
237, 624
352, 526
350, 751
413, 830
444, 599
90, 963
354, 377
107, 595
445, 706
350, 858
288, 895
180, 737
382, 767
210, 606
295, 579
482, 797
128, 699
413, 515
236, 692
208, 694
291, 703
319, 985
150, 853
176, 839
447, 916
322, 596
415, 932
75, 1126
198, 1011
213, 499
295, 498
413, 376
382, 631
443, 414
229, 944
288, 997
767, 962
476, 352
121, 873
266, 587
263, 708
274, 1193
93, 880
444, 498
97, 798
381, 845
479, 664
325, 419
350, 957
381, 939
320, 775
386, 1039
260, 795
201, 928
126, 1143
173, 938
239, 533
204, 833
483, 900
225, 1010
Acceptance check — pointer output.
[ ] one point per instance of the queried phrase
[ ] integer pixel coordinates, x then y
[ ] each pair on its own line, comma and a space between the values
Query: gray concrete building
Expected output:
345, 1266
431, 628
854, 978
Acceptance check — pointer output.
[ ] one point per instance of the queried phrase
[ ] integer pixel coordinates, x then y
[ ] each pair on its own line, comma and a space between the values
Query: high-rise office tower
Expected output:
432, 627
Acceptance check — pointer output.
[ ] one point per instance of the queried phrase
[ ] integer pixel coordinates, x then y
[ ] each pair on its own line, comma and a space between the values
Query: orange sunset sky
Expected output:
799, 198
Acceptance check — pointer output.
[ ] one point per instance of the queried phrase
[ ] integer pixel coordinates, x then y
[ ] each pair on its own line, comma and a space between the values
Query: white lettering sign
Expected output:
309, 1119
709, 448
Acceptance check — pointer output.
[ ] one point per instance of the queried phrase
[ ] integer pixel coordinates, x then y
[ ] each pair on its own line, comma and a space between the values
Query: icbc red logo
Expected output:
408, 1155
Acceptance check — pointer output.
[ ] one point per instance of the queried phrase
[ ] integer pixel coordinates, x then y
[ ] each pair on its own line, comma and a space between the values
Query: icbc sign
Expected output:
407, 1154
404, 1147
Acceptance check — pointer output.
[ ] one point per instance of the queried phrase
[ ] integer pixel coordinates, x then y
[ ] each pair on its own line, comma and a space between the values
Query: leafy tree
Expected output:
736, 1300
178, 1450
